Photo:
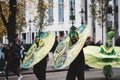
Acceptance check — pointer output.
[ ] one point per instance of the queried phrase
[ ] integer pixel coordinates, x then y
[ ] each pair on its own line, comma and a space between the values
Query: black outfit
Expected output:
91, 43
2, 64
40, 69
12, 59
76, 68
16, 52
54, 46
2, 61
117, 42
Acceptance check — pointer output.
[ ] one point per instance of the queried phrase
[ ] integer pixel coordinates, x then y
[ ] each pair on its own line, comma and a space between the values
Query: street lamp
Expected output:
30, 29
82, 15
72, 16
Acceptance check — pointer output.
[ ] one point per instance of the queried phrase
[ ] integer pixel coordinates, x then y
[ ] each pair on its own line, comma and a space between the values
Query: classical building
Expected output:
59, 21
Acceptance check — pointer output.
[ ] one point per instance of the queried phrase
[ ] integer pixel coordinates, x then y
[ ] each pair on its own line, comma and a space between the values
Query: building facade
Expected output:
59, 22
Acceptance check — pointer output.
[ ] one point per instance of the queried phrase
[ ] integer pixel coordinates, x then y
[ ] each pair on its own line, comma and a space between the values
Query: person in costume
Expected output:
76, 68
108, 49
104, 57
40, 68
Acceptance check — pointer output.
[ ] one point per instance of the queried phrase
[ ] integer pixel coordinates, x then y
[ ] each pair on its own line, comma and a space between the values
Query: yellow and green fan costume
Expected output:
103, 57
66, 52
36, 54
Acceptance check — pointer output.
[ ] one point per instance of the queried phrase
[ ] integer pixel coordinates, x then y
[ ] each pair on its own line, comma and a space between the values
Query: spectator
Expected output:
20, 44
55, 45
90, 40
2, 61
117, 42
99, 43
61, 37
12, 59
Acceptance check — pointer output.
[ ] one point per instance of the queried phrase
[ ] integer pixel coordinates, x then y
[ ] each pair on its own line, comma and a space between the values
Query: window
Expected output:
86, 11
23, 36
33, 37
61, 10
72, 4
50, 11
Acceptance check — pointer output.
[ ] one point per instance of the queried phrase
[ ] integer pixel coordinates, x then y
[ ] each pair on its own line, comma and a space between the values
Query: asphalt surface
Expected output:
92, 74
55, 74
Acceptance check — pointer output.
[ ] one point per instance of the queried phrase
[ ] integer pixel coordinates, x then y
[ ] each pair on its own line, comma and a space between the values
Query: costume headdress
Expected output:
111, 34
73, 33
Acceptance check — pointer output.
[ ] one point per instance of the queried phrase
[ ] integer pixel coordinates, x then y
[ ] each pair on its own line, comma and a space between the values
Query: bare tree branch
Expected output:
3, 17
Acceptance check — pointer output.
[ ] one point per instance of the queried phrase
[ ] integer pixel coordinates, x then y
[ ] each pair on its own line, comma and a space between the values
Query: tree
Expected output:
12, 16
99, 12
42, 7
9, 14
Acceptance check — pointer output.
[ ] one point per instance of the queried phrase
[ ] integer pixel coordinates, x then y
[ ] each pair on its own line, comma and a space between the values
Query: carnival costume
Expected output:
67, 51
38, 51
103, 57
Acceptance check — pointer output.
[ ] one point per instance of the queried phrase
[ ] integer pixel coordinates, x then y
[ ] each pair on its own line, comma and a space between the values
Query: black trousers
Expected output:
76, 68
40, 69
11, 67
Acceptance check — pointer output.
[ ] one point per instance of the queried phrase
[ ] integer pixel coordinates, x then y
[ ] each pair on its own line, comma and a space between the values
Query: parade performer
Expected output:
70, 46
37, 55
104, 57
40, 68
76, 68
40, 50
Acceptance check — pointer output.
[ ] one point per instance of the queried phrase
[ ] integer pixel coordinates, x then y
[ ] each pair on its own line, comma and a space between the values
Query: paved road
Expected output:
89, 75
93, 74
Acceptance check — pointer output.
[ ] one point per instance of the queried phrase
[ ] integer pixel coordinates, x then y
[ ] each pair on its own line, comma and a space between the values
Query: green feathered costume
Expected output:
107, 69
111, 34
73, 34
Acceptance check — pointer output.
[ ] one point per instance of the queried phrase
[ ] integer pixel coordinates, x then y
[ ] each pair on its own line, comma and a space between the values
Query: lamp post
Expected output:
82, 15
30, 29
72, 17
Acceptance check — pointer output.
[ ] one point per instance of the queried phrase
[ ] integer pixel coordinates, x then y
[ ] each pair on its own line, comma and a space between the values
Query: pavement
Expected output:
92, 74
50, 68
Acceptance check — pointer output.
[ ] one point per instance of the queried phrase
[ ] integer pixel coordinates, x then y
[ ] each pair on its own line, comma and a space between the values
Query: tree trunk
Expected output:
42, 14
11, 28
11, 23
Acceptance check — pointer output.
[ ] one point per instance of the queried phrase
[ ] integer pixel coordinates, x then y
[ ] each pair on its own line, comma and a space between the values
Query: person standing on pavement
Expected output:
2, 61
39, 69
117, 42
91, 40
76, 68
12, 59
